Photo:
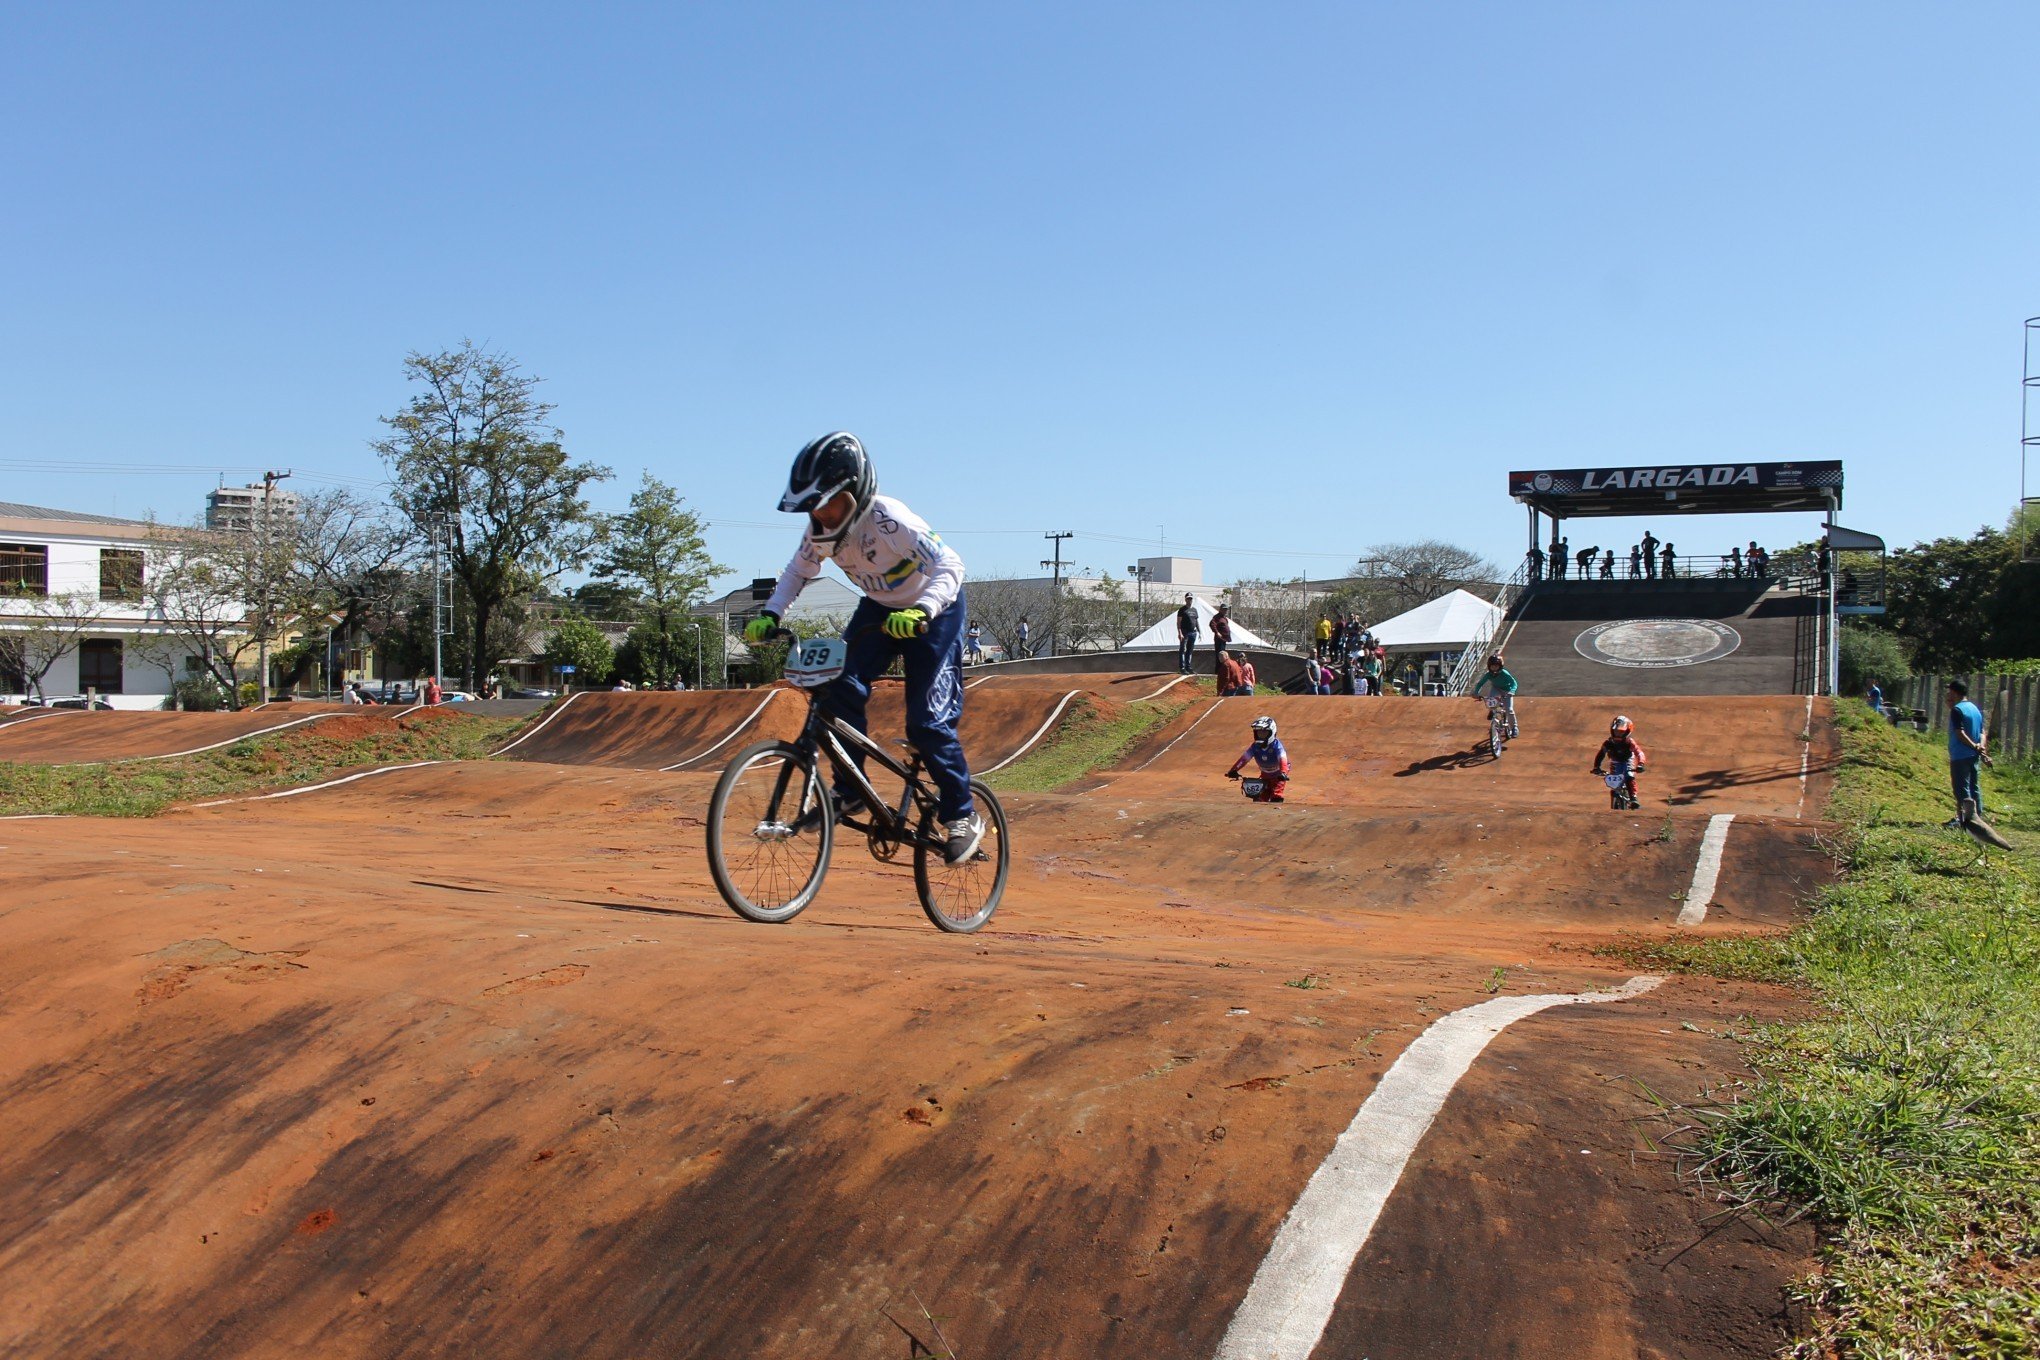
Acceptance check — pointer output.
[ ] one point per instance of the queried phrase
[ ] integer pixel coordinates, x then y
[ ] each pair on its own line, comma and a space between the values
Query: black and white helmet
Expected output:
1264, 729
834, 463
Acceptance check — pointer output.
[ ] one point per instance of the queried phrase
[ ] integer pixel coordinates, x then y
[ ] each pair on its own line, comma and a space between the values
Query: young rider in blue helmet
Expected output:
912, 608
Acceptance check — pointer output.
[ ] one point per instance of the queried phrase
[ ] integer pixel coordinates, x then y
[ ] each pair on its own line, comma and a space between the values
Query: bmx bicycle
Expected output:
1260, 788
773, 817
1499, 725
1619, 797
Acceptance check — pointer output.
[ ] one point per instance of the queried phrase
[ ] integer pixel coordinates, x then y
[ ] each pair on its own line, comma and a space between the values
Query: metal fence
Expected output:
2010, 704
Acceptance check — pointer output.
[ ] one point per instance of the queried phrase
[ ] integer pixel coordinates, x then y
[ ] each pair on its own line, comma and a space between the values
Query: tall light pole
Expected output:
262, 623
700, 666
1140, 575
442, 595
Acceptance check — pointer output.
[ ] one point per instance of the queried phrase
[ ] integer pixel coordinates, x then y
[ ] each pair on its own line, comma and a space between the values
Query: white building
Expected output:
60, 570
242, 507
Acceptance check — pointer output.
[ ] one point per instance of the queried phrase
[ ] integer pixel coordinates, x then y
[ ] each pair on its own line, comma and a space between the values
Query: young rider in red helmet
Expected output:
1625, 753
912, 608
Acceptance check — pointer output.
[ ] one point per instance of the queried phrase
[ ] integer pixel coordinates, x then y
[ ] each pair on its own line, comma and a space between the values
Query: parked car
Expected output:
529, 692
458, 696
74, 701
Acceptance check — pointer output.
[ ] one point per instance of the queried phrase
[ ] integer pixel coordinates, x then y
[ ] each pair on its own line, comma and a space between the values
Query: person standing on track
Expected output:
912, 609
1324, 636
1500, 685
1221, 634
1186, 635
1650, 560
974, 650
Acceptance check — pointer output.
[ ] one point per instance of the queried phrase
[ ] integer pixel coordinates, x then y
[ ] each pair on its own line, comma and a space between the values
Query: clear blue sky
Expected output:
1291, 278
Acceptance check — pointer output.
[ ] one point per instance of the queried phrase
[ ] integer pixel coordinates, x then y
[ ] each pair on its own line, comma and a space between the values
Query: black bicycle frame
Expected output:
827, 734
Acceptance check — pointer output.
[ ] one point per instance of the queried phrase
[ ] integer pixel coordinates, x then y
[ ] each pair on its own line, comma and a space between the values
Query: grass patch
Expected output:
1905, 1117
1090, 737
142, 788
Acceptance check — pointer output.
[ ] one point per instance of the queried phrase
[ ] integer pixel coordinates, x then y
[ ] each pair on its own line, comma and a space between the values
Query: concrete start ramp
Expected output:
1701, 637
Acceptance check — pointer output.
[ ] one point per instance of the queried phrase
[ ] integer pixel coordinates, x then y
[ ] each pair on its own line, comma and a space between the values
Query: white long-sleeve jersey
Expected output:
890, 554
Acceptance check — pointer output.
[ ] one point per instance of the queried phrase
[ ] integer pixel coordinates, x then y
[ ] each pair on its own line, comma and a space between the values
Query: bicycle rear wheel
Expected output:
770, 825
962, 897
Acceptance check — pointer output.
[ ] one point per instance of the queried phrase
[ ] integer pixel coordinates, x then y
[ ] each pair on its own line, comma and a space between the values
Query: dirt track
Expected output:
75, 736
657, 731
470, 1060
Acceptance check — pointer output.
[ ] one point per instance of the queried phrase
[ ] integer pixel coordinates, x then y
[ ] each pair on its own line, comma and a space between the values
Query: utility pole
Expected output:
1140, 575
262, 621
1055, 590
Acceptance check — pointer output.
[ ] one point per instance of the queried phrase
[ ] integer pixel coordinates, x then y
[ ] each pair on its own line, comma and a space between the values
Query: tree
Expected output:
347, 566
1868, 654
42, 630
1410, 574
1000, 602
580, 644
657, 550
607, 600
199, 583
473, 449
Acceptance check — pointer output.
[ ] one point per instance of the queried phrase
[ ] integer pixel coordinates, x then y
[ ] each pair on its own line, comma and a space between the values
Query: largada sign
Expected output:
1680, 487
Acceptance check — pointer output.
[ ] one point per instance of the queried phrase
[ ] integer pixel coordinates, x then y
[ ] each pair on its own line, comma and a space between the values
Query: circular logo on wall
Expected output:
1542, 481
1652, 644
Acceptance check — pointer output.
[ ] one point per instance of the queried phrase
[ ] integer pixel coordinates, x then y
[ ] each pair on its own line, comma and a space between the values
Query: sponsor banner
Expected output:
1655, 479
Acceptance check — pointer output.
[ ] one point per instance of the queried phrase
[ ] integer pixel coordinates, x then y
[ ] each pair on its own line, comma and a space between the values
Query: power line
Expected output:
98, 468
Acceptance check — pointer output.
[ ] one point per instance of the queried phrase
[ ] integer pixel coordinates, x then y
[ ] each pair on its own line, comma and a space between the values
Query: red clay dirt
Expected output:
80, 737
654, 731
470, 1059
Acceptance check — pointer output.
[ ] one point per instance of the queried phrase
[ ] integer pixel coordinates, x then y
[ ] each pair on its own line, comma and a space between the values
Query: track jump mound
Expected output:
1127, 686
1747, 755
648, 730
653, 731
1693, 638
78, 737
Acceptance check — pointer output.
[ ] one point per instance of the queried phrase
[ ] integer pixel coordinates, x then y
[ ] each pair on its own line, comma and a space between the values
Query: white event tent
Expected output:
1446, 624
1163, 634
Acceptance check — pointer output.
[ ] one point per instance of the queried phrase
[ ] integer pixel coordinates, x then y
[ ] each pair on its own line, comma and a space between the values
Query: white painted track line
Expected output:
728, 737
541, 725
200, 750
1805, 753
1215, 705
314, 788
40, 713
1707, 872
1294, 1292
1163, 690
1028, 744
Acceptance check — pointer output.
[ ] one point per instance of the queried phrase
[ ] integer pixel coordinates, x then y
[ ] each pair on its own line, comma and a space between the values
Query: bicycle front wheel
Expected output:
770, 825
962, 897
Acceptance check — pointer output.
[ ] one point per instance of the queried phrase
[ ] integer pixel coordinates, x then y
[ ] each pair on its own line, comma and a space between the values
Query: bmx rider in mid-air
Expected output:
912, 608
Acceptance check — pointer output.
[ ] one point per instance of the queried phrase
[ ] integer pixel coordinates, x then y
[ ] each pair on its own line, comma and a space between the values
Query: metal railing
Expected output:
1790, 570
1475, 656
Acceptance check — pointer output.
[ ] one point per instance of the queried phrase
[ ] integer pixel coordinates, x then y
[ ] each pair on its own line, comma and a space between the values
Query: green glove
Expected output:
760, 628
905, 623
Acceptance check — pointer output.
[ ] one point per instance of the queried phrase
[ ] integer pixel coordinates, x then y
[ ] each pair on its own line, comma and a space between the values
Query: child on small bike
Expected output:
1501, 687
1625, 754
1268, 755
912, 608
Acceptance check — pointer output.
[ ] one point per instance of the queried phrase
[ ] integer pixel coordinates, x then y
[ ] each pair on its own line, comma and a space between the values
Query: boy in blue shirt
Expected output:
1965, 749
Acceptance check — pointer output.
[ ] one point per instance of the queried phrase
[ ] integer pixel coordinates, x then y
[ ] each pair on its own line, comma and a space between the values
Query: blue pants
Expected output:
1962, 774
934, 666
1186, 649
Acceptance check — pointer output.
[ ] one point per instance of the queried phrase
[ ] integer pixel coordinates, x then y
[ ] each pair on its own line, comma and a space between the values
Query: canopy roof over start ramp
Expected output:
1680, 488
